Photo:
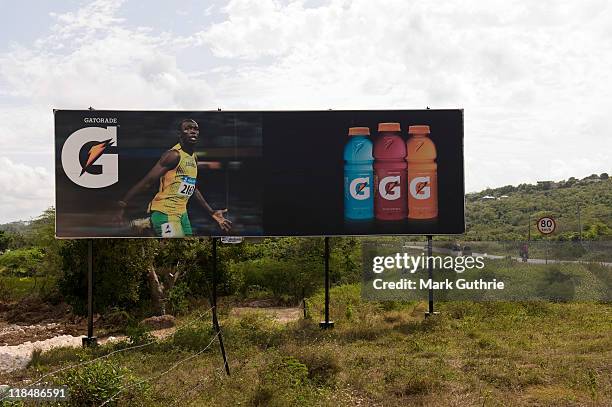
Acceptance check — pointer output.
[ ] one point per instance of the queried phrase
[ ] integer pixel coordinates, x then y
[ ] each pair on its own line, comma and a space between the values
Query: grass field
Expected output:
379, 354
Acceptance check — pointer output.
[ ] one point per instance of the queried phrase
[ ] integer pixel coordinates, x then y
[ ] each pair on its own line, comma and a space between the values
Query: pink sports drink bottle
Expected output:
389, 173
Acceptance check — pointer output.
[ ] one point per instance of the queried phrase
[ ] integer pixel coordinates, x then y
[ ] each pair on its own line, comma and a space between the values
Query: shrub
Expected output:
289, 371
94, 383
288, 279
256, 328
413, 385
194, 337
177, 299
56, 356
22, 262
323, 365
117, 318
345, 301
281, 383
119, 277
139, 334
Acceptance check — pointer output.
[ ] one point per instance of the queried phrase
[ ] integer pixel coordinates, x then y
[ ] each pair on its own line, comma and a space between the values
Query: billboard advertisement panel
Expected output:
258, 173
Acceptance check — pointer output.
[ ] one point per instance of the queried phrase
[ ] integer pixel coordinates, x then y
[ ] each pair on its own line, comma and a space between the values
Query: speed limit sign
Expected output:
546, 225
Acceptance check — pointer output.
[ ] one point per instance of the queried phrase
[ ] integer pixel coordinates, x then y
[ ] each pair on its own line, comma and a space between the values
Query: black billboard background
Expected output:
281, 171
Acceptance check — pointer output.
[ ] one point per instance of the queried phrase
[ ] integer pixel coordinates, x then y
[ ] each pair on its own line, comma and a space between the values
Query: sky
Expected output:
533, 77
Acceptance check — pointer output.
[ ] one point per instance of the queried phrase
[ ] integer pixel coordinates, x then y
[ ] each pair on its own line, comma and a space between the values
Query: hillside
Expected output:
494, 213
504, 213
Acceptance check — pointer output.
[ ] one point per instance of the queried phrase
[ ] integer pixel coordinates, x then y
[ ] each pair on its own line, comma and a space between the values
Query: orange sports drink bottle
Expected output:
422, 174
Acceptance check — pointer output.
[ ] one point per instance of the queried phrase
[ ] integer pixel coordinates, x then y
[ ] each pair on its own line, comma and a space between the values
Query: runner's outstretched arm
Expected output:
168, 161
217, 215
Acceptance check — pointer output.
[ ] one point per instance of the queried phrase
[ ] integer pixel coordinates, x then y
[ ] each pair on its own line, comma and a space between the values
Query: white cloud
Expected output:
88, 20
26, 190
122, 69
533, 77
90, 58
28, 128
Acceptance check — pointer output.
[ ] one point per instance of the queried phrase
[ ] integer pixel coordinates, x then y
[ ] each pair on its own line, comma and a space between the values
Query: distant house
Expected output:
487, 197
503, 196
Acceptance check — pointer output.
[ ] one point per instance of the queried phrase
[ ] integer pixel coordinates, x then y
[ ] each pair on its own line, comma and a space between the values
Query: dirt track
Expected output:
280, 314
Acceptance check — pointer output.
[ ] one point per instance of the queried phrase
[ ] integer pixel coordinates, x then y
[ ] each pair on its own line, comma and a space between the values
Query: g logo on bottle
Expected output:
96, 167
389, 188
419, 188
360, 188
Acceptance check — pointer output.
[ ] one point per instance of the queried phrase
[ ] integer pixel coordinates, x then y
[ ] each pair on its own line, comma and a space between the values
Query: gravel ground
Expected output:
15, 357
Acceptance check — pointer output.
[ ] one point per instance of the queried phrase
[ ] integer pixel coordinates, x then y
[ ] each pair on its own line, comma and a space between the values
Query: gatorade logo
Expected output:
86, 158
389, 188
360, 188
420, 188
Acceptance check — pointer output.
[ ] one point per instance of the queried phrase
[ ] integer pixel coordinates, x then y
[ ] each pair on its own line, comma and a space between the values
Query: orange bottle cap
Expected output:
359, 131
389, 127
420, 129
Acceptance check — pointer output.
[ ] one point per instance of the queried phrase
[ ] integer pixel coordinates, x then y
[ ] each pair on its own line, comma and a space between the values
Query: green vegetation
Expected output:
21, 262
16, 288
145, 277
508, 218
494, 354
94, 383
380, 353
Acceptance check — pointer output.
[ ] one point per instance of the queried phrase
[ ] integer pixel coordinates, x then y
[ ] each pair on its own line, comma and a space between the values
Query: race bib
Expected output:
168, 230
187, 187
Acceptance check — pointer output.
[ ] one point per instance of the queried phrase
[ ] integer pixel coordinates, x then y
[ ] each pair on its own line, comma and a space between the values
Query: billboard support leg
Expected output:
304, 302
215, 320
89, 340
430, 308
327, 323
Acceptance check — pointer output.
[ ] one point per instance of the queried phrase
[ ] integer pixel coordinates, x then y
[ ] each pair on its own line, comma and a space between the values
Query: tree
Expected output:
135, 273
41, 233
119, 273
4, 241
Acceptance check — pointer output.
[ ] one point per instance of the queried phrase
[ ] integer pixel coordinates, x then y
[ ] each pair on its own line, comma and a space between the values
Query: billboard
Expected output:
258, 173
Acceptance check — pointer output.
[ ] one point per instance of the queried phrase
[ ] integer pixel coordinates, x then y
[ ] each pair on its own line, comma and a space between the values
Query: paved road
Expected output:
494, 256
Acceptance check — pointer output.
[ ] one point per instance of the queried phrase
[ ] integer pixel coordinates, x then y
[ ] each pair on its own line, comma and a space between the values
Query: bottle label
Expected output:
390, 188
420, 188
360, 188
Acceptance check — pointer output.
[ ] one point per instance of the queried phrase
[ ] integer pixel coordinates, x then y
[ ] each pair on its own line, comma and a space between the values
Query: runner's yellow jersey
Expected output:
176, 186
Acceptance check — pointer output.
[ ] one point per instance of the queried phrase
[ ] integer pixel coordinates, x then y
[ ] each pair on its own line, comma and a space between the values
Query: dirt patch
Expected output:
34, 320
159, 322
280, 314
33, 310
13, 334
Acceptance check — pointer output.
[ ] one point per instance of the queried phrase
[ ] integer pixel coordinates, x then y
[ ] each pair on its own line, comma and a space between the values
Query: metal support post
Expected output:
327, 323
430, 308
90, 340
215, 320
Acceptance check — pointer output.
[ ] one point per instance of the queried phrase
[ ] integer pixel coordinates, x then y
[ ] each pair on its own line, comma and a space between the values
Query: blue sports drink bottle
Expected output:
358, 175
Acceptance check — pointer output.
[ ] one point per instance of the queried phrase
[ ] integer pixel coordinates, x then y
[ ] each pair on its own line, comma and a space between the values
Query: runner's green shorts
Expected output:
171, 225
